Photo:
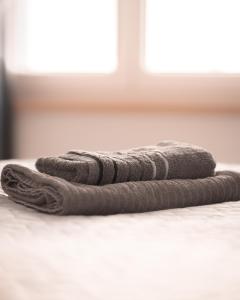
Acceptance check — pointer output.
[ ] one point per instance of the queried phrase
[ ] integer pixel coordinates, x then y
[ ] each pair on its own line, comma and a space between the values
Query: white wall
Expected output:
40, 134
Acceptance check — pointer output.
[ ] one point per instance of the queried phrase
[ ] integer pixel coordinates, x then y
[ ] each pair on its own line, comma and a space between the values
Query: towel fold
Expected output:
57, 196
167, 160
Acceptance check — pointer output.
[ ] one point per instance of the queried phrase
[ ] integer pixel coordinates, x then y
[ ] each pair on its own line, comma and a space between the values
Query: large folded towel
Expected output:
167, 160
57, 196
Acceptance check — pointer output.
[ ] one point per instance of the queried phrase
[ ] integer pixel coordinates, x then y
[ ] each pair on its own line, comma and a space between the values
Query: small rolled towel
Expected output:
57, 196
167, 160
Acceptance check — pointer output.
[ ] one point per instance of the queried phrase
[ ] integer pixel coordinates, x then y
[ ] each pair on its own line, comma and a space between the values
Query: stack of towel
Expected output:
168, 175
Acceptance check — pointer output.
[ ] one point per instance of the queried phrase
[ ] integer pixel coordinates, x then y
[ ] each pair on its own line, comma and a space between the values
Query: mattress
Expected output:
191, 253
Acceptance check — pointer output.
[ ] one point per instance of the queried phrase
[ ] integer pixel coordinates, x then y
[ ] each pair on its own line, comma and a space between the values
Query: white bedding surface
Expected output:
187, 254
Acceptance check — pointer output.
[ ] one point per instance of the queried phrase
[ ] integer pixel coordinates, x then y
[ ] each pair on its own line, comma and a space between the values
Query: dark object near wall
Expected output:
5, 111
5, 116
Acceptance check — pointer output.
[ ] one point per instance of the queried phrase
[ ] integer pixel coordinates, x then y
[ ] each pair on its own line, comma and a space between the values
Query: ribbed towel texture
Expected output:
169, 175
167, 160
58, 196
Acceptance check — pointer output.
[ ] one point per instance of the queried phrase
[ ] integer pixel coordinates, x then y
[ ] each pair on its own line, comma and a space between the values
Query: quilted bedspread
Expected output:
191, 253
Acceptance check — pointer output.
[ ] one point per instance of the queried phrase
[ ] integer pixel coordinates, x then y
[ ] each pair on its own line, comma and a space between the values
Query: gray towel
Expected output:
167, 160
57, 196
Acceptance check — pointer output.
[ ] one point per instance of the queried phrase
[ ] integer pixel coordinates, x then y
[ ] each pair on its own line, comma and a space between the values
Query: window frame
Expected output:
131, 87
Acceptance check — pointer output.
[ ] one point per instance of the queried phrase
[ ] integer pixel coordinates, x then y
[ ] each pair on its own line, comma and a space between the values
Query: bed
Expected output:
191, 253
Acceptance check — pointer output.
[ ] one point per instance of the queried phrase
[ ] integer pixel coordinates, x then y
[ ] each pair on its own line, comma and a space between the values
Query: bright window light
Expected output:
70, 36
192, 36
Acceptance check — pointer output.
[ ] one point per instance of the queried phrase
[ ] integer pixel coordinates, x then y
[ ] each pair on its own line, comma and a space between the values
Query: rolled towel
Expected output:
57, 196
167, 160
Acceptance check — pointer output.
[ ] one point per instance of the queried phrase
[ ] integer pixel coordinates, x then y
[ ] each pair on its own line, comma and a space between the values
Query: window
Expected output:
173, 53
69, 36
192, 36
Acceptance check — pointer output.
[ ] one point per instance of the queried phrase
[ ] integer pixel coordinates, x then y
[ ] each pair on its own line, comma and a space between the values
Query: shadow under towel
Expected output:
57, 196
167, 160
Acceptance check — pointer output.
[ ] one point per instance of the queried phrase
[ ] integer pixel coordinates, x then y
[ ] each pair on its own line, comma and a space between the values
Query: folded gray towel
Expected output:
167, 160
57, 196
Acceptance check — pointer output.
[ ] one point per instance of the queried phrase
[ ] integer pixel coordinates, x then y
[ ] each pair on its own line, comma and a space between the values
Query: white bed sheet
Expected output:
187, 254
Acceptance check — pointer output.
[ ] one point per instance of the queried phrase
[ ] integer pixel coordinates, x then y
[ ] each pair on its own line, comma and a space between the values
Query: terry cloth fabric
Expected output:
57, 196
167, 160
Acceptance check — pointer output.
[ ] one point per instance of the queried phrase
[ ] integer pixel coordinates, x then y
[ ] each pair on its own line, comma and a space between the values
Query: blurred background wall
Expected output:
43, 133
102, 74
